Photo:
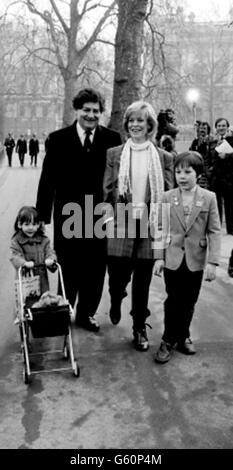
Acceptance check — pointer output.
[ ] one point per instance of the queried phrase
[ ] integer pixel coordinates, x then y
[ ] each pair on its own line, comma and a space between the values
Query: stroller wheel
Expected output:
76, 370
66, 353
26, 377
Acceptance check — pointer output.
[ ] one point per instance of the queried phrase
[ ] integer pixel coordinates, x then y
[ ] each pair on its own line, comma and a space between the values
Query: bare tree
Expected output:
128, 57
212, 70
69, 42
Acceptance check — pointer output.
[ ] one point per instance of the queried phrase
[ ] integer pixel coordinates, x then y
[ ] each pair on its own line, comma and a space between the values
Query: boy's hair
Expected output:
88, 95
190, 158
28, 214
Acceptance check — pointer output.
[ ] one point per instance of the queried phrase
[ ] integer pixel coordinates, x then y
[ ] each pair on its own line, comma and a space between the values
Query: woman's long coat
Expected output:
121, 239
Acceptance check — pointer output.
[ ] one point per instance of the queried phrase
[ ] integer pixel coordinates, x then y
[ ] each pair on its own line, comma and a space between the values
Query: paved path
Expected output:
122, 400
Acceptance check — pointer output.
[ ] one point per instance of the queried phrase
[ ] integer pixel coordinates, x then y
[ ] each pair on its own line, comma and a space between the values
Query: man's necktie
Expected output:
87, 141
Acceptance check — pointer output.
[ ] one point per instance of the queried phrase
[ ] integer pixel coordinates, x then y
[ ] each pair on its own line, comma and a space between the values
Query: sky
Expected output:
210, 9
204, 9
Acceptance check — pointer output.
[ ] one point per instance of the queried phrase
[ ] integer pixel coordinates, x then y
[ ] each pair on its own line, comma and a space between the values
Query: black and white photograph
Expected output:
116, 239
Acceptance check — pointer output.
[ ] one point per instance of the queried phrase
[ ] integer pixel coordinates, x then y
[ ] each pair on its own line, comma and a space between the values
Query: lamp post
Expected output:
192, 97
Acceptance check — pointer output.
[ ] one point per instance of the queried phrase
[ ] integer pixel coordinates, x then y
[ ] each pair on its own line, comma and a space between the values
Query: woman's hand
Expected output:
158, 267
29, 264
210, 274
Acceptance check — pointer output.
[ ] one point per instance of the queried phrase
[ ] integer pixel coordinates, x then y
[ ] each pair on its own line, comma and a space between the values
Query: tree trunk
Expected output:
69, 93
128, 58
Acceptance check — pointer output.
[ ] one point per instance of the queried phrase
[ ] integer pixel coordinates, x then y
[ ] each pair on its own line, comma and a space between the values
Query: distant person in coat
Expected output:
21, 149
9, 144
34, 149
202, 144
71, 184
222, 173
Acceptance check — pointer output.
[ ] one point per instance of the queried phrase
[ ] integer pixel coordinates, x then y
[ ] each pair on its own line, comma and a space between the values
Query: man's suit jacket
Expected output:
68, 174
122, 244
200, 240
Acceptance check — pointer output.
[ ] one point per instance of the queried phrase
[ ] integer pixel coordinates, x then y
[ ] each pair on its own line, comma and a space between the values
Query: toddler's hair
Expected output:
190, 158
28, 214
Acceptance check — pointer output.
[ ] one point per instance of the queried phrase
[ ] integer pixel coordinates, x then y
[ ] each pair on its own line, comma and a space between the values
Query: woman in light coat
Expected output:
133, 184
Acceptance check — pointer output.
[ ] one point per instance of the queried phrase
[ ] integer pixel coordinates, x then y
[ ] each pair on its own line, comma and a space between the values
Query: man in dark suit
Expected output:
34, 149
21, 149
9, 144
72, 177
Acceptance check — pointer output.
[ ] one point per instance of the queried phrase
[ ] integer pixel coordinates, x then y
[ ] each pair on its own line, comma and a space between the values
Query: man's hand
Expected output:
158, 267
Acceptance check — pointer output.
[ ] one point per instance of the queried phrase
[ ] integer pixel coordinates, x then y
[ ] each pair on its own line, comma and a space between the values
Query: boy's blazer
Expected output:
200, 241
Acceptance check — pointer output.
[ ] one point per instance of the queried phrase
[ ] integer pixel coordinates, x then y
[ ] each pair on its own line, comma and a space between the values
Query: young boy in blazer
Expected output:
195, 237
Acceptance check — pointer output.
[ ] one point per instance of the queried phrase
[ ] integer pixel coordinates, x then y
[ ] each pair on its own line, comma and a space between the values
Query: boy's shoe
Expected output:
164, 353
186, 347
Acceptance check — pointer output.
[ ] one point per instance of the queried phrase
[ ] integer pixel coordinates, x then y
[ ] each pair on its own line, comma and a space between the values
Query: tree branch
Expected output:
59, 16
98, 28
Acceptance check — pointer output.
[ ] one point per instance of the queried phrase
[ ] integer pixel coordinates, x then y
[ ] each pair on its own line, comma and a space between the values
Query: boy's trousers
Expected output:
182, 287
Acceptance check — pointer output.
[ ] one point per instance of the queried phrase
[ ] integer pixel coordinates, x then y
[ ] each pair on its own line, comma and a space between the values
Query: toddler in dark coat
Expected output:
31, 247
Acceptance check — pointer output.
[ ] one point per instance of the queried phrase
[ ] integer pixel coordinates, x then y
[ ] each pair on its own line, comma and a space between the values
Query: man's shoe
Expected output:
89, 323
115, 314
164, 353
187, 347
140, 340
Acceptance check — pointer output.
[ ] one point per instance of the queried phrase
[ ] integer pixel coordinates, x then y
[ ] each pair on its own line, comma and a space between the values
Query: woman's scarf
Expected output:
155, 173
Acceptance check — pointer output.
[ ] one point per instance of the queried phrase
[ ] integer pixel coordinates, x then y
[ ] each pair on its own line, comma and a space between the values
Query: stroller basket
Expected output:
50, 321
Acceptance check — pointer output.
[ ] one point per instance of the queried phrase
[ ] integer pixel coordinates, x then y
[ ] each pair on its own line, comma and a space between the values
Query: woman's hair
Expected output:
28, 214
190, 158
138, 106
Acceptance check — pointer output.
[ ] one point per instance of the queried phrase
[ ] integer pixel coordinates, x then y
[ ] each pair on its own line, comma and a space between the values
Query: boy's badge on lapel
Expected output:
199, 203
175, 201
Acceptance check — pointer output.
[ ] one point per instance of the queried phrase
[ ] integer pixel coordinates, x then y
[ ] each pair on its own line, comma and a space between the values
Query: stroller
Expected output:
43, 322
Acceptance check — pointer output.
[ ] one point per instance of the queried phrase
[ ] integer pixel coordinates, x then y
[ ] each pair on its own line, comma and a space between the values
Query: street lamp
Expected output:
192, 97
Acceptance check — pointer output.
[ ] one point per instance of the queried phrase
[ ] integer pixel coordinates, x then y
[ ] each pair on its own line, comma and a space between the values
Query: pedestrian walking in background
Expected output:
21, 149
202, 144
167, 143
34, 149
166, 125
73, 170
195, 237
135, 176
221, 181
9, 144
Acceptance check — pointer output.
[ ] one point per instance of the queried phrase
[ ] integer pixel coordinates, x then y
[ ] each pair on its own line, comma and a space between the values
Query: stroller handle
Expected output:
39, 265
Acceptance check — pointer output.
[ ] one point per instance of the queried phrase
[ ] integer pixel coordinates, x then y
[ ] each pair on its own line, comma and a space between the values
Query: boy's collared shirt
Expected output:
188, 201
